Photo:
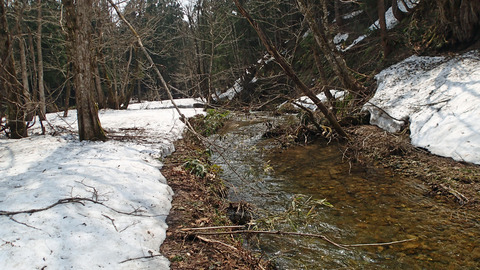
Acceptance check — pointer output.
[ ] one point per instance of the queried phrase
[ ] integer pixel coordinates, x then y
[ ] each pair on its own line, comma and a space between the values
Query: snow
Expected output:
231, 92
339, 38
352, 14
308, 103
439, 96
124, 199
390, 20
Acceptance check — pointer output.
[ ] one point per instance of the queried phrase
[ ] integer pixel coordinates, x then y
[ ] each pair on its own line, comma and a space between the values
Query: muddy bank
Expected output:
455, 181
199, 202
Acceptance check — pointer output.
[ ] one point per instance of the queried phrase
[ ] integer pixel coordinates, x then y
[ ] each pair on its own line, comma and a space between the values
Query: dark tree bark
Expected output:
10, 87
290, 72
68, 91
98, 86
383, 27
78, 19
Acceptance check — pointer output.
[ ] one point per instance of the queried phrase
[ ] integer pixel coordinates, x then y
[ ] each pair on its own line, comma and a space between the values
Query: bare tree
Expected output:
11, 88
79, 28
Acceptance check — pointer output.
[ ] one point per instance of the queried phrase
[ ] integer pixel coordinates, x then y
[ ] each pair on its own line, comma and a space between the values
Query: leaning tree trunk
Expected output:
10, 87
78, 18
290, 72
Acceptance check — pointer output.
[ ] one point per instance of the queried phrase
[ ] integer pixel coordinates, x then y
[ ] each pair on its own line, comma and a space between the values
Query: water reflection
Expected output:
369, 206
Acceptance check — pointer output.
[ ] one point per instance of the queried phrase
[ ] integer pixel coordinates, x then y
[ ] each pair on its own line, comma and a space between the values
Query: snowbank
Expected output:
117, 199
440, 98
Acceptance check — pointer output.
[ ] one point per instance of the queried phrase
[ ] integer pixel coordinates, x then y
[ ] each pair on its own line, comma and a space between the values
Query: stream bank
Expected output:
454, 181
389, 203
200, 202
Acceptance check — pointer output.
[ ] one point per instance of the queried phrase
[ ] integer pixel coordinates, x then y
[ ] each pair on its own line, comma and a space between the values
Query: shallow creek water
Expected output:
369, 206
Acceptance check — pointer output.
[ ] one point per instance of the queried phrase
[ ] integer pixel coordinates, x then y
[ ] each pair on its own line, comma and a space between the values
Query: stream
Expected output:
310, 189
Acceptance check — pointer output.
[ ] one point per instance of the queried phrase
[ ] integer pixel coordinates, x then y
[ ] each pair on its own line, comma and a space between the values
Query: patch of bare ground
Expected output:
456, 181
199, 202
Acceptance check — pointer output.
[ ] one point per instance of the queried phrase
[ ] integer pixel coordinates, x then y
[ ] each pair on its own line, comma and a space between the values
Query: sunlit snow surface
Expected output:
123, 175
440, 96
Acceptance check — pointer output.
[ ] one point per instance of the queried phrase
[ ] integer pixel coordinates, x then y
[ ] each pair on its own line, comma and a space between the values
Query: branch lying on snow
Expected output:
73, 200
139, 258
194, 232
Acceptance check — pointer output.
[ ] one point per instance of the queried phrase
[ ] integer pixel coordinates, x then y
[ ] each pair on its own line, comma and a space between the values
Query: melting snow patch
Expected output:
116, 198
439, 96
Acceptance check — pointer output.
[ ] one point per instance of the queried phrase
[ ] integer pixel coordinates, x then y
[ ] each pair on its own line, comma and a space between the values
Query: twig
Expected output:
139, 258
216, 242
381, 244
323, 237
25, 224
211, 228
112, 220
72, 200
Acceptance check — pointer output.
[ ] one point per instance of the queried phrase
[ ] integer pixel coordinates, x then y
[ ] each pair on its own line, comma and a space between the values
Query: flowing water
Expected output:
309, 189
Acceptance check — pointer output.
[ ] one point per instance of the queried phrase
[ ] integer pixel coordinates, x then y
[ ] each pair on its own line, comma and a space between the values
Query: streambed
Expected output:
310, 189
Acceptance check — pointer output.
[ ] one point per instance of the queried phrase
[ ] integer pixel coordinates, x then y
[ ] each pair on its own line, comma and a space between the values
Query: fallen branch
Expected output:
268, 232
212, 228
71, 200
215, 242
197, 232
139, 258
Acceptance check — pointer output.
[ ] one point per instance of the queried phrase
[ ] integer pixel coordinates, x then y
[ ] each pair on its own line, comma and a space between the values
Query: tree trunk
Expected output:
41, 88
24, 68
10, 87
68, 86
78, 19
98, 86
33, 66
383, 27
290, 73
26, 90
